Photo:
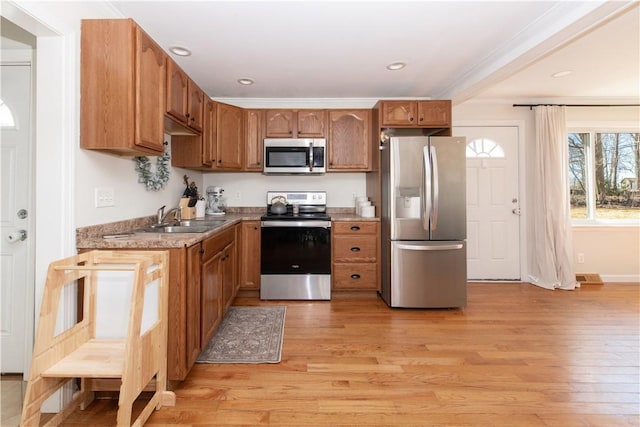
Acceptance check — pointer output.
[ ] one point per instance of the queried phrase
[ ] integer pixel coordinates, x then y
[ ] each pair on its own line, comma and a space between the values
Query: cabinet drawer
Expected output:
355, 248
215, 244
355, 276
355, 227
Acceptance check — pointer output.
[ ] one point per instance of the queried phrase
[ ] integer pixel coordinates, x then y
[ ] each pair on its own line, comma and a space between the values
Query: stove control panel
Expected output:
300, 197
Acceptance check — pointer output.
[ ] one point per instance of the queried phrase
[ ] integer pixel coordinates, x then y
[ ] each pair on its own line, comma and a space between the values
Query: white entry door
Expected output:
15, 142
493, 213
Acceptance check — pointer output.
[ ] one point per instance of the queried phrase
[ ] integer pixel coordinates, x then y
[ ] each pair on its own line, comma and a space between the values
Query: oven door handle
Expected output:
315, 224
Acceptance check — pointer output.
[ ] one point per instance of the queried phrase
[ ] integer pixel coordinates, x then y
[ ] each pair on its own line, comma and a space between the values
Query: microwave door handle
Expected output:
311, 156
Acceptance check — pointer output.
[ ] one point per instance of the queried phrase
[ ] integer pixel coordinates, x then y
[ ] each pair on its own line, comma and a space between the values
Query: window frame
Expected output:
593, 128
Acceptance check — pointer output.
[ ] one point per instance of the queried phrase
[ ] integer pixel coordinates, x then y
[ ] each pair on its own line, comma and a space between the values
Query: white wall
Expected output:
610, 251
249, 189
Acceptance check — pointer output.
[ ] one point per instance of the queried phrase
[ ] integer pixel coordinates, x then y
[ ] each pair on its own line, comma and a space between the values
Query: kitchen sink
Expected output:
202, 222
185, 226
176, 229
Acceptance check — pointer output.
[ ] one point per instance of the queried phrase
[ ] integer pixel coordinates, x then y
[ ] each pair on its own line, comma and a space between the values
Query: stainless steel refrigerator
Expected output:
424, 262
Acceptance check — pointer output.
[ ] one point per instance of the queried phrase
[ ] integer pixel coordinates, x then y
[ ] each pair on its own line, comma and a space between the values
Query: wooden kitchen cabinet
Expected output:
193, 295
219, 285
349, 140
254, 131
249, 258
407, 113
122, 84
219, 147
185, 100
230, 137
295, 123
211, 291
355, 255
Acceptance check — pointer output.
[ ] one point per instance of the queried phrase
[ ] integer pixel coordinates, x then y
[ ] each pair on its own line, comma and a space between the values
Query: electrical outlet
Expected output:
104, 197
580, 258
238, 195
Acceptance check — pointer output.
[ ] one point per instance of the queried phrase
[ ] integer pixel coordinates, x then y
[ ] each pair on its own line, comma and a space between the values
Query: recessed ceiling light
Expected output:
396, 66
562, 73
180, 51
246, 81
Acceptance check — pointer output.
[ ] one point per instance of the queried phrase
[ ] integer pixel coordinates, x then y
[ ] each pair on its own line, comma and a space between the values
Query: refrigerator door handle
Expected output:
430, 247
426, 187
436, 188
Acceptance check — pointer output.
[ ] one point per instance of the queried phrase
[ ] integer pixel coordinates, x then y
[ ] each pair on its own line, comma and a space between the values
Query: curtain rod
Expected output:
576, 105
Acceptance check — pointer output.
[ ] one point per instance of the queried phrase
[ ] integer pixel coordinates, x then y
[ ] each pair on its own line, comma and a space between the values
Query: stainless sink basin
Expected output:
176, 229
202, 222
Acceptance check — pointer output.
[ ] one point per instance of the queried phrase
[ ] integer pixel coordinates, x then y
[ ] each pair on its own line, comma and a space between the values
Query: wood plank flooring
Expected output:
517, 355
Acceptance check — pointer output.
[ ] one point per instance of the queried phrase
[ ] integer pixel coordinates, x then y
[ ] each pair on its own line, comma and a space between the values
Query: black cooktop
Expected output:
302, 215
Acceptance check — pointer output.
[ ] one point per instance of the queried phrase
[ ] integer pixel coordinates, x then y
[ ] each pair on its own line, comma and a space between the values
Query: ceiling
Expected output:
453, 49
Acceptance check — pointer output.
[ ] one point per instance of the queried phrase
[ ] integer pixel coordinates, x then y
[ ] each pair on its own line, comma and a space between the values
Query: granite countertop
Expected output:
92, 237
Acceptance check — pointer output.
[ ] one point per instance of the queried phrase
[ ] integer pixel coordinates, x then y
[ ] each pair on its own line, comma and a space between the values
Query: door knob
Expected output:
515, 211
17, 236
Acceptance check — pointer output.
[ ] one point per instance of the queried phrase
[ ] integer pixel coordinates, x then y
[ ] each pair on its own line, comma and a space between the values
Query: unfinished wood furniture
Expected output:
94, 352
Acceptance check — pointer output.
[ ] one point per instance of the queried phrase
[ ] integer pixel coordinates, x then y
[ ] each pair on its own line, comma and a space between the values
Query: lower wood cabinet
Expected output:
355, 255
250, 255
219, 283
202, 285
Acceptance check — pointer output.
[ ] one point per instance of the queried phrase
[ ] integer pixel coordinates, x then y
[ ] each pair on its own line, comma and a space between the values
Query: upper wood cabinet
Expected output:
185, 100
254, 131
406, 113
349, 140
122, 86
219, 147
230, 137
295, 123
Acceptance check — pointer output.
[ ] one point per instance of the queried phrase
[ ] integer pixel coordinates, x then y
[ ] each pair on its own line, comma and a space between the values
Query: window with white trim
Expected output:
604, 173
6, 117
484, 147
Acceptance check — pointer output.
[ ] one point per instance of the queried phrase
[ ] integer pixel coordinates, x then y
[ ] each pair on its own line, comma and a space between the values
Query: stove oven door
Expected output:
295, 260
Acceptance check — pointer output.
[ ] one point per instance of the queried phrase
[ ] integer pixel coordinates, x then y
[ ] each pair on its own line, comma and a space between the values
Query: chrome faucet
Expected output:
162, 217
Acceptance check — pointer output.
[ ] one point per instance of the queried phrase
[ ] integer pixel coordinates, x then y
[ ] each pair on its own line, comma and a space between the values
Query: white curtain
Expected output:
552, 263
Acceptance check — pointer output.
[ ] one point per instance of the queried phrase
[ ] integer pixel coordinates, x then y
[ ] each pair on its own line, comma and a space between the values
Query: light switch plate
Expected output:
104, 197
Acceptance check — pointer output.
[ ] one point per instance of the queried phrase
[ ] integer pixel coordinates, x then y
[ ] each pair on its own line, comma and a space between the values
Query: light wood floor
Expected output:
518, 355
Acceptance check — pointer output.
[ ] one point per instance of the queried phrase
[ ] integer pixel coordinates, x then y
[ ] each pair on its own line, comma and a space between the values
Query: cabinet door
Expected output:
177, 92
230, 137
211, 303
229, 280
434, 113
279, 124
192, 309
249, 255
196, 105
254, 129
150, 94
209, 134
311, 123
349, 140
398, 113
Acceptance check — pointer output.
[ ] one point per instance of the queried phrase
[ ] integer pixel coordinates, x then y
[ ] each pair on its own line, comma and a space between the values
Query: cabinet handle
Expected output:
187, 115
421, 118
410, 119
220, 161
355, 228
355, 276
355, 249
202, 251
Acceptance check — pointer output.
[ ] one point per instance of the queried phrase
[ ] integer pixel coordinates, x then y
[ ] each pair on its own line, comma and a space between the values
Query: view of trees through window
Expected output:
604, 173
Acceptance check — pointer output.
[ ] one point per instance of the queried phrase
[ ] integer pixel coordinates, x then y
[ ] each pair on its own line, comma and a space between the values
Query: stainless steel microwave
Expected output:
294, 155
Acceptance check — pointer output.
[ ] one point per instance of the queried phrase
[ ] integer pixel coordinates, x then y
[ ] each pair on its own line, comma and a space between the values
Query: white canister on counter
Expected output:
368, 211
361, 206
200, 208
